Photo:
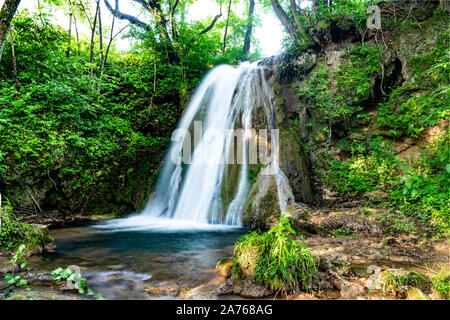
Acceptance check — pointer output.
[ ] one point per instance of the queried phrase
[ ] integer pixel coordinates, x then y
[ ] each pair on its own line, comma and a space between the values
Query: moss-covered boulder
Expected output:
261, 207
35, 237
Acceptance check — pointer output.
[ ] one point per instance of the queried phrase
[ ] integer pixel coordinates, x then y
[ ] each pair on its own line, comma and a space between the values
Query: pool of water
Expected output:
119, 260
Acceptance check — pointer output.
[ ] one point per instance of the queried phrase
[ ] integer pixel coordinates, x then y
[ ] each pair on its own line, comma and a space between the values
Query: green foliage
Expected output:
363, 172
412, 278
418, 188
16, 280
91, 146
68, 275
441, 283
344, 13
395, 223
354, 76
424, 187
277, 260
318, 93
352, 81
410, 110
341, 232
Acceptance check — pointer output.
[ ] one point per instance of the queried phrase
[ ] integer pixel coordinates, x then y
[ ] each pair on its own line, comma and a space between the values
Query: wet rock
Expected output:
246, 288
324, 283
305, 296
38, 294
300, 65
351, 222
351, 290
163, 288
250, 289
44, 277
348, 289
225, 288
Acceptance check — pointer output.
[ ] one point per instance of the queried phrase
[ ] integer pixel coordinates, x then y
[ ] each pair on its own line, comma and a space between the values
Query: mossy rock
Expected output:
37, 238
247, 261
415, 294
224, 267
261, 206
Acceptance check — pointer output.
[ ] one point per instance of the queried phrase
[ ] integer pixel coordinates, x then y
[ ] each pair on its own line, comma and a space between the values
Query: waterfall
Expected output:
191, 181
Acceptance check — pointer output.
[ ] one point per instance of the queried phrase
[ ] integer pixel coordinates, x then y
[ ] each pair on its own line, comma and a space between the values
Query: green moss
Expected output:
294, 155
258, 214
15, 233
353, 80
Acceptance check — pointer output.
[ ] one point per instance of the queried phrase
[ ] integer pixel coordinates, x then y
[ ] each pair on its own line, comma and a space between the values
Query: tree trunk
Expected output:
6, 14
284, 19
111, 38
248, 32
76, 33
172, 20
91, 57
226, 28
100, 35
13, 53
299, 27
70, 35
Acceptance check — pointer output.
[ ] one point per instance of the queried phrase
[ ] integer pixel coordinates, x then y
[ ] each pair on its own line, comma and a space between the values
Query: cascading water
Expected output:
189, 192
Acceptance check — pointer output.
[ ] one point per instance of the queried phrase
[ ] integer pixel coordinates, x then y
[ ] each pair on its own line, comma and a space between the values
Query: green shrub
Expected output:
441, 283
423, 190
275, 259
67, 275
16, 280
412, 278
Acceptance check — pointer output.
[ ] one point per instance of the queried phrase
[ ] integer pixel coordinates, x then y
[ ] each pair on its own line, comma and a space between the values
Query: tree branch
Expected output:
213, 22
124, 16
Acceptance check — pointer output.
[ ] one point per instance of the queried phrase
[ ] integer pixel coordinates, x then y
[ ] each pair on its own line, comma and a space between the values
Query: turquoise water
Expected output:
120, 263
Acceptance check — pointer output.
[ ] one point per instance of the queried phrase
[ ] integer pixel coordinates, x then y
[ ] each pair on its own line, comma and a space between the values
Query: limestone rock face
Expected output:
416, 41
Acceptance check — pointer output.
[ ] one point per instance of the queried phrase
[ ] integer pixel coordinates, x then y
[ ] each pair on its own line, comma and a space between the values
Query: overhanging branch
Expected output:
213, 22
124, 16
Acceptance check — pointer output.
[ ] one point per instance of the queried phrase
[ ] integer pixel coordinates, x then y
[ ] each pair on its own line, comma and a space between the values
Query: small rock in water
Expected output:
163, 288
